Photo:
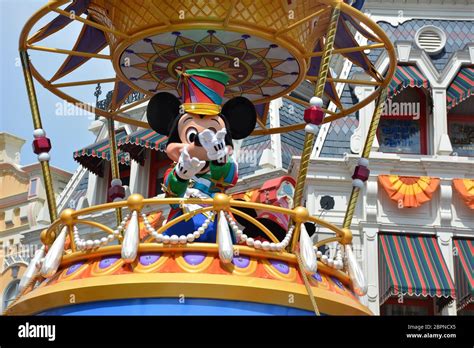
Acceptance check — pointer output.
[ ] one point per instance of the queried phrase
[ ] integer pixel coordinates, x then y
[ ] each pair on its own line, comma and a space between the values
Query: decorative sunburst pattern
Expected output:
258, 68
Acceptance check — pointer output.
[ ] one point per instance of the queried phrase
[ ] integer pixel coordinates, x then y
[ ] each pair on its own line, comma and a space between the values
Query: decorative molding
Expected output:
445, 203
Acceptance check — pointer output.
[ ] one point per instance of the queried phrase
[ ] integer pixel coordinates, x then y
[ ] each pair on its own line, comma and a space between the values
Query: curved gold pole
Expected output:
114, 161
35, 114
256, 223
374, 123
181, 218
309, 137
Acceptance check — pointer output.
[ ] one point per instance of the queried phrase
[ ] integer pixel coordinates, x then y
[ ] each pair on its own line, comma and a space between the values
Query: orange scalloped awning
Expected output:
409, 191
465, 188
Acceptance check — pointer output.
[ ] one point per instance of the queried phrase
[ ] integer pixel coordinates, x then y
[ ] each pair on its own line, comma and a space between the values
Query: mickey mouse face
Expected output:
238, 117
187, 130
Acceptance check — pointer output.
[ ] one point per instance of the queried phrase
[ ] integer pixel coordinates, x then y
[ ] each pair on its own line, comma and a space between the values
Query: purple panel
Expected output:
59, 22
91, 40
261, 108
149, 259
108, 261
241, 261
345, 39
337, 282
314, 71
359, 28
74, 268
317, 276
122, 91
194, 258
280, 266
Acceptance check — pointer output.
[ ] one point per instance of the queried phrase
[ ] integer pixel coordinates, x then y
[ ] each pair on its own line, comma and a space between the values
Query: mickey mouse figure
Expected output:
200, 134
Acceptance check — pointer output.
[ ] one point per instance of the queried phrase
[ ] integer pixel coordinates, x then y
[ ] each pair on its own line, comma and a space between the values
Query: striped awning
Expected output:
413, 265
93, 156
406, 76
464, 270
135, 142
461, 88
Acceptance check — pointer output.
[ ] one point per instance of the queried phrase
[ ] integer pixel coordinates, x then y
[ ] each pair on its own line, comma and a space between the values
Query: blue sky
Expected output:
68, 132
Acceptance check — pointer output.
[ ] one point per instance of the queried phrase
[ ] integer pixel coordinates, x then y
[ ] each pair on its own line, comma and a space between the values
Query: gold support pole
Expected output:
35, 115
114, 161
374, 124
319, 90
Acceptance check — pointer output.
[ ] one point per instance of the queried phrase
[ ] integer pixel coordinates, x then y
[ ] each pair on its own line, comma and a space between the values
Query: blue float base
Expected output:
172, 306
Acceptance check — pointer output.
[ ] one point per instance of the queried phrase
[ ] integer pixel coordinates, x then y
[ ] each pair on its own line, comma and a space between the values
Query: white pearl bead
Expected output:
183, 239
319, 254
205, 225
103, 240
174, 239
243, 237
279, 246
166, 239
43, 157
159, 238
38, 133
257, 244
197, 233
324, 259
316, 101
89, 244
201, 230
190, 237
273, 247
116, 232
330, 262
266, 245
250, 242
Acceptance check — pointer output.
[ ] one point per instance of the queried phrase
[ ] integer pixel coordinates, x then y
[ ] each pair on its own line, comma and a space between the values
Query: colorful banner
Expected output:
409, 191
465, 188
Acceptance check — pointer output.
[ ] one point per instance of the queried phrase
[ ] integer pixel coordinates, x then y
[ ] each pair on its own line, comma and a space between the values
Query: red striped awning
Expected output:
413, 265
144, 138
92, 157
406, 76
461, 88
464, 271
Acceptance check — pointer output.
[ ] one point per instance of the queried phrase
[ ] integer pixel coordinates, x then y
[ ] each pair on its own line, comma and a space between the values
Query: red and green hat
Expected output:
202, 90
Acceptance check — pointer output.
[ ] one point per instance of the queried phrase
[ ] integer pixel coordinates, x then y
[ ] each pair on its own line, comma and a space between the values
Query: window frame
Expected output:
423, 125
427, 303
459, 118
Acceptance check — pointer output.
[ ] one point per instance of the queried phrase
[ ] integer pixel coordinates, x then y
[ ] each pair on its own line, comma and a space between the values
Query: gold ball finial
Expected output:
135, 202
66, 216
45, 238
346, 236
221, 201
301, 214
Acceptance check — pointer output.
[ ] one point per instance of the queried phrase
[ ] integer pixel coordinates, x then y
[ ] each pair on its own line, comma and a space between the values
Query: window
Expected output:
408, 306
402, 127
33, 187
461, 134
158, 166
10, 293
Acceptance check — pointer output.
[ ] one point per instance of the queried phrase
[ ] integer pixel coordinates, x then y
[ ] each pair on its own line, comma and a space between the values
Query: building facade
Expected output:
23, 210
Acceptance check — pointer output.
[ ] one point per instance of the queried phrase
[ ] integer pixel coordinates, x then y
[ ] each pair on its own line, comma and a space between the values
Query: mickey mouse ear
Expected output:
241, 115
161, 111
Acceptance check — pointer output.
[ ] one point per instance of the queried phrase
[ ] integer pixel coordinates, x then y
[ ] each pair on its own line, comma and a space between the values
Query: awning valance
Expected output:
93, 156
465, 188
461, 88
413, 265
409, 191
406, 76
464, 270
144, 138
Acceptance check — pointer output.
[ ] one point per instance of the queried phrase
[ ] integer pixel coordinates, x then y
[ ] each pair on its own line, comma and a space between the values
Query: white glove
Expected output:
187, 167
214, 144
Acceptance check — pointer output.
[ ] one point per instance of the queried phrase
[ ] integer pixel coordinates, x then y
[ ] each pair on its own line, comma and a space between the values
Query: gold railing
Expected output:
220, 202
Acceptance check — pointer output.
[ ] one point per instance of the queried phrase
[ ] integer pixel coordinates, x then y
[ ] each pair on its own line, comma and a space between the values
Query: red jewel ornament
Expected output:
314, 115
362, 173
41, 144
116, 192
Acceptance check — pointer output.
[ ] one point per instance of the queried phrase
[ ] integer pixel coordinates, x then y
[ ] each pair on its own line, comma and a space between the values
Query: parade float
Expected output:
201, 62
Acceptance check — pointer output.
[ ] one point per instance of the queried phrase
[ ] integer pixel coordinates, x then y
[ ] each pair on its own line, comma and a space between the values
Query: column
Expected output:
370, 266
441, 142
445, 242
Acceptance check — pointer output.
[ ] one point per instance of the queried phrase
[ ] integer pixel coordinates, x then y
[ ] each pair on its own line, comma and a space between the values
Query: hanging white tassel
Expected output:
131, 239
32, 270
355, 273
224, 239
55, 254
308, 256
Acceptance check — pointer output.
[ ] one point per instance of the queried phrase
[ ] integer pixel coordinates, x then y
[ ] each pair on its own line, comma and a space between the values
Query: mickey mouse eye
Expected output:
191, 134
